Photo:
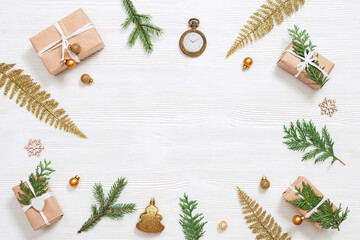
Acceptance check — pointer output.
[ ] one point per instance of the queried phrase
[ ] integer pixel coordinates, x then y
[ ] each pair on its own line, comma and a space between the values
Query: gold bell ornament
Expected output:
264, 183
85, 78
75, 48
74, 181
70, 63
247, 62
297, 219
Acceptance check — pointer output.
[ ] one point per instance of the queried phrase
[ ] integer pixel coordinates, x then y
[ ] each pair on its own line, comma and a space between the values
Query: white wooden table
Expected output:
172, 124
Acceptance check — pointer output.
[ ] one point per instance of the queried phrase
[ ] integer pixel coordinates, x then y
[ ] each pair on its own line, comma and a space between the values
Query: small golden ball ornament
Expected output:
74, 181
247, 62
70, 63
264, 183
297, 219
75, 48
223, 225
85, 78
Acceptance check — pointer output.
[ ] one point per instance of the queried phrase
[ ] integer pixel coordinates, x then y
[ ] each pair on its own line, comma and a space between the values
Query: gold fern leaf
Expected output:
262, 224
262, 21
37, 101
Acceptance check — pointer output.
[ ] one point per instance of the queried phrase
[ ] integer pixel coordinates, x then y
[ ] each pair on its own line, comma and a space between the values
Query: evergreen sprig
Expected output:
106, 206
191, 223
143, 27
326, 216
301, 41
303, 135
39, 181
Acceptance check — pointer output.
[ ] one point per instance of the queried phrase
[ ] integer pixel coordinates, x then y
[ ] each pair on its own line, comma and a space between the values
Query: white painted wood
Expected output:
173, 124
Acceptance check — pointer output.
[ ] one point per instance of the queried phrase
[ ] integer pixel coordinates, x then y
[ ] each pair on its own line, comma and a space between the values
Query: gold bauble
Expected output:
70, 63
264, 183
75, 48
247, 62
85, 78
297, 219
74, 181
223, 225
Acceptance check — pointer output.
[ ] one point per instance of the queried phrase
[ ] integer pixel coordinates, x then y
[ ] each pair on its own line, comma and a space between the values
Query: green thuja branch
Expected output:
39, 181
106, 206
302, 135
301, 41
143, 27
191, 223
325, 215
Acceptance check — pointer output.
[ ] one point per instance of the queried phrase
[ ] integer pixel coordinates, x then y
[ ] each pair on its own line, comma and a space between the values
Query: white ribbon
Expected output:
64, 43
315, 208
38, 203
307, 59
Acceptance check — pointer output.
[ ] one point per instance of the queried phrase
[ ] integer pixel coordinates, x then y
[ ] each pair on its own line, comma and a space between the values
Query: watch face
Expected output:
193, 42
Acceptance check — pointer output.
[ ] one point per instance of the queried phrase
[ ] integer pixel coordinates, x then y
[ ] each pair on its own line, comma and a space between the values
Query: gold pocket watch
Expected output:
193, 42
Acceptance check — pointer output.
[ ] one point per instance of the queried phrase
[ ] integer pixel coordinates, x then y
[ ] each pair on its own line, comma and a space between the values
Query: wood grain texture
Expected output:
173, 124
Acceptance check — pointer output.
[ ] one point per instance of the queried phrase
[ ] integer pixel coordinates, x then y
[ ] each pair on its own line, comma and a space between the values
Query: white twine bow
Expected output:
315, 208
307, 59
64, 43
38, 203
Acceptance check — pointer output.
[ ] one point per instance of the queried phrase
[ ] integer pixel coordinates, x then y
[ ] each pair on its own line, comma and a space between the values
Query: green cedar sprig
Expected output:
106, 206
301, 41
191, 223
143, 27
39, 182
303, 135
326, 216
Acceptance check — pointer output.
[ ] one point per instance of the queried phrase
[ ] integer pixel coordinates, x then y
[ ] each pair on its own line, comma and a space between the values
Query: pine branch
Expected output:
301, 41
326, 216
262, 224
107, 206
191, 223
38, 181
143, 28
303, 135
262, 21
37, 102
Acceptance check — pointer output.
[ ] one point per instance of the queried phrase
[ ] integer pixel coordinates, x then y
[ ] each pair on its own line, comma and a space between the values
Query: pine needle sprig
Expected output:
262, 21
326, 216
191, 223
302, 135
37, 101
143, 27
106, 206
39, 181
262, 224
301, 41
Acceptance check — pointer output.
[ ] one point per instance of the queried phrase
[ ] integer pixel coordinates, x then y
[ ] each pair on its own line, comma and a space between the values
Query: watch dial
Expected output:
193, 42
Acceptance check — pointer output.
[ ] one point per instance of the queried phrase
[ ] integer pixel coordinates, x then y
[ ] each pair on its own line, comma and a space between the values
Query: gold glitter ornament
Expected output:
223, 225
297, 219
85, 78
75, 48
74, 181
150, 220
247, 63
264, 183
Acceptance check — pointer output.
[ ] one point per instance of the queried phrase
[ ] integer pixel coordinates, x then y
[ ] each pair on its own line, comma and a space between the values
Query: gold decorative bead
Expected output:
264, 183
297, 219
85, 78
74, 181
247, 62
223, 225
70, 63
75, 48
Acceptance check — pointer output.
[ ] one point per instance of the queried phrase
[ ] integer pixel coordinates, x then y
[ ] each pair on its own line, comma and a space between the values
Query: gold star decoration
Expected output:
328, 107
34, 147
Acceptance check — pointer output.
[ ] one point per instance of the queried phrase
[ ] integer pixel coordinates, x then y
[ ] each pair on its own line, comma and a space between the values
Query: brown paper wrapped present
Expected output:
89, 41
289, 63
290, 195
51, 210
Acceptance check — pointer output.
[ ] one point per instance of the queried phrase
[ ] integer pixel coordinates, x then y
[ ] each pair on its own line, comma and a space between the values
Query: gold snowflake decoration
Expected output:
34, 147
328, 107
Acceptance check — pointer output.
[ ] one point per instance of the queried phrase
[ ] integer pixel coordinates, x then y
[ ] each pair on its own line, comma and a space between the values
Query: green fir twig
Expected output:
325, 215
191, 223
106, 206
303, 135
143, 27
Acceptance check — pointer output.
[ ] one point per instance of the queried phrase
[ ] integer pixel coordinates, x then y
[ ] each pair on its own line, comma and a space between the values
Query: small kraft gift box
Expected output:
37, 200
53, 44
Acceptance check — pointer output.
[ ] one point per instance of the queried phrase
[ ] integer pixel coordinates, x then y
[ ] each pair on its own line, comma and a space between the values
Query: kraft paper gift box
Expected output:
51, 210
290, 195
89, 41
289, 63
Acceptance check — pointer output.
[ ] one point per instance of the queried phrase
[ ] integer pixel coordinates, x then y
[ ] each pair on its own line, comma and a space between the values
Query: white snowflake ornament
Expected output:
34, 147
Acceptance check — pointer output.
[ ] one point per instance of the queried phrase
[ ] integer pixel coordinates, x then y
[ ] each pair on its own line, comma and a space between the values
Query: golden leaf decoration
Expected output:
262, 21
262, 224
37, 101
